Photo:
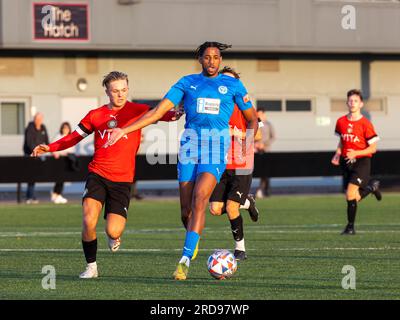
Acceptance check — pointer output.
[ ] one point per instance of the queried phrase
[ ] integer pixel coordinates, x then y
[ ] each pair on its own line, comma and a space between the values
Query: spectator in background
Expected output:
35, 134
263, 141
56, 194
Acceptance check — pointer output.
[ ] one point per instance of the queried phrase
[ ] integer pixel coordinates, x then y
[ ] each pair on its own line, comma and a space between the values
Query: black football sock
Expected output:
237, 228
90, 250
365, 192
351, 211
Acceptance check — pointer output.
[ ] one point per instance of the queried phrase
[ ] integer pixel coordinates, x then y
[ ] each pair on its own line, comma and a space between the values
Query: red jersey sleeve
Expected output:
370, 134
85, 127
337, 129
66, 142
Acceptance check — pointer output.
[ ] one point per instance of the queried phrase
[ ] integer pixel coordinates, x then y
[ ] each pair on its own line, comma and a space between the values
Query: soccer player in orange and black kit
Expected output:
232, 192
111, 172
357, 144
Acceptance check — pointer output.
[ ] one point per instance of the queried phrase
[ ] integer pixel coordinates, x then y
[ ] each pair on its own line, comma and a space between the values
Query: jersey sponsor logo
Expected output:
222, 89
208, 106
105, 132
350, 137
193, 87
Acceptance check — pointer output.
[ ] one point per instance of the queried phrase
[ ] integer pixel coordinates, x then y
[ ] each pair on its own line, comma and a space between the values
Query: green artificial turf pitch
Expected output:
295, 251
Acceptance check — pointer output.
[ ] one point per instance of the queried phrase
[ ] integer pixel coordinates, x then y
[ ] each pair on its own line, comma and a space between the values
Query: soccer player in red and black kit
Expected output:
232, 192
111, 172
357, 144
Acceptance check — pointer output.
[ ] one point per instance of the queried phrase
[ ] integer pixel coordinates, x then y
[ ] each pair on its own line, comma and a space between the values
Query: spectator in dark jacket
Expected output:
35, 134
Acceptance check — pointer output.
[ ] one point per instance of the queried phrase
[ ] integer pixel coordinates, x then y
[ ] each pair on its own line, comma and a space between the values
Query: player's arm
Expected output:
64, 143
252, 120
336, 157
251, 131
352, 154
148, 118
371, 137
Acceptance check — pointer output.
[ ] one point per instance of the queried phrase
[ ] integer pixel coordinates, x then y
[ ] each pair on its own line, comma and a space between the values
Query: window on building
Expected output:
338, 105
370, 105
12, 118
269, 105
298, 105
375, 105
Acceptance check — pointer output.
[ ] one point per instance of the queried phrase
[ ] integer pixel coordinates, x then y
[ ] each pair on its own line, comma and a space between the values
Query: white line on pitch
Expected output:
209, 231
209, 249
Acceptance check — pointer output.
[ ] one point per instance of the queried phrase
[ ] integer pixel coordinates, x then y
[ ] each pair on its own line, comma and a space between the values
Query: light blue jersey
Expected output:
208, 104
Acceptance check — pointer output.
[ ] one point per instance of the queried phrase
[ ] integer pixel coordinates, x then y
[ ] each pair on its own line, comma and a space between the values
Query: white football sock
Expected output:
239, 245
185, 260
246, 205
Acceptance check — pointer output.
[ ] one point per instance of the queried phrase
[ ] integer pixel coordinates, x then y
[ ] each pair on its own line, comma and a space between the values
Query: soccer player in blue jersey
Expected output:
208, 100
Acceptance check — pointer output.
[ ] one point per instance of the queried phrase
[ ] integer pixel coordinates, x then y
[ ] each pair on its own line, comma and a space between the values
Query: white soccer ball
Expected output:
222, 264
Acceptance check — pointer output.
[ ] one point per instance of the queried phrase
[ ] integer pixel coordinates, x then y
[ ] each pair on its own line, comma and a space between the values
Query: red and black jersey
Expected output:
355, 135
236, 159
117, 162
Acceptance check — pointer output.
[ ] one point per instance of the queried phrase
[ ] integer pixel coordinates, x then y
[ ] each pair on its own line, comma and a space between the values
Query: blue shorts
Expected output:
189, 171
202, 155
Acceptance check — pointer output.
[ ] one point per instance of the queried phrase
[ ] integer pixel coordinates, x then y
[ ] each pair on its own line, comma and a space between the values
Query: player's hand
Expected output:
115, 135
39, 150
351, 155
336, 159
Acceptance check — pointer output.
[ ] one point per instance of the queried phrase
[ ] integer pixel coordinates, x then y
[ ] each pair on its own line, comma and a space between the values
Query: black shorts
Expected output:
357, 173
114, 196
232, 187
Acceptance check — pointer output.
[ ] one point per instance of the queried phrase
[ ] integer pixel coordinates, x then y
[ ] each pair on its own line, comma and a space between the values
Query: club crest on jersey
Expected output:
222, 89
349, 130
112, 124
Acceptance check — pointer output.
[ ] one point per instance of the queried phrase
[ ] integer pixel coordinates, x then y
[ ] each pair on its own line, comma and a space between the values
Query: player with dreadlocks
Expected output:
208, 101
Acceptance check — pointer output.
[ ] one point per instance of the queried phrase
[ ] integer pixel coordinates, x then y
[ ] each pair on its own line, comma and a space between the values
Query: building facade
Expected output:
297, 59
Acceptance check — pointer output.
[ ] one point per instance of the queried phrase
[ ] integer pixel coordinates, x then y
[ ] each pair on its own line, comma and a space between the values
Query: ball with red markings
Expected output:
221, 264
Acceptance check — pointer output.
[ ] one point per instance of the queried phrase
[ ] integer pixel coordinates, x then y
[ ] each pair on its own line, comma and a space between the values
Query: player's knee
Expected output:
351, 195
215, 209
114, 232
